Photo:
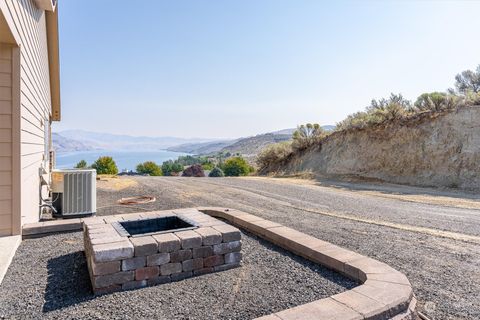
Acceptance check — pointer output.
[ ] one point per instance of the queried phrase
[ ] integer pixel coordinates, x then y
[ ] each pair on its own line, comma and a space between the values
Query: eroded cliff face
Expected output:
442, 151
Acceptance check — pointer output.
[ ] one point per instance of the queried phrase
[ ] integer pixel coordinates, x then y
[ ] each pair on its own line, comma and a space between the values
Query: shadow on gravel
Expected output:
68, 281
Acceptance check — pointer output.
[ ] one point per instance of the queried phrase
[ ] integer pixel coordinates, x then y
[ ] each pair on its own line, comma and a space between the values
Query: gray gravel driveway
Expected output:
433, 241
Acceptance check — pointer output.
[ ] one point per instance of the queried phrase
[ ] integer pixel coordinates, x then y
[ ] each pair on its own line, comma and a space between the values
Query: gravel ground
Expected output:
444, 271
49, 279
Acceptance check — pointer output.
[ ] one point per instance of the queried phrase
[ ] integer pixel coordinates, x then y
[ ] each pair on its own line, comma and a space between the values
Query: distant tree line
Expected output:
187, 165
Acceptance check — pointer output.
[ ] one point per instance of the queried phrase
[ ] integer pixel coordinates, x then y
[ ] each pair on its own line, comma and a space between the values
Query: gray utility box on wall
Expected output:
74, 192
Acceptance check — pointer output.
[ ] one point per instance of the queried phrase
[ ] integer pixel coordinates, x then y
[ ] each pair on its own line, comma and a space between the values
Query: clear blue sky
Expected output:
236, 68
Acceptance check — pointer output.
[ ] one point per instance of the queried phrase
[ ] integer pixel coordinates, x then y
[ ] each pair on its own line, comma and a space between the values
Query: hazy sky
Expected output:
236, 68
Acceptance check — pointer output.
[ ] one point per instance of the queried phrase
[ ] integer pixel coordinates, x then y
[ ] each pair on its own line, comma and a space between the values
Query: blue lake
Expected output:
125, 160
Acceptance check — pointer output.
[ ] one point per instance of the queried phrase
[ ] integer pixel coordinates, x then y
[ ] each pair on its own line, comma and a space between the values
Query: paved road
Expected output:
433, 237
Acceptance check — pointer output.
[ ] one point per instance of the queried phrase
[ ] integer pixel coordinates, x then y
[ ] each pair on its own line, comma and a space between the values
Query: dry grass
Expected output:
114, 183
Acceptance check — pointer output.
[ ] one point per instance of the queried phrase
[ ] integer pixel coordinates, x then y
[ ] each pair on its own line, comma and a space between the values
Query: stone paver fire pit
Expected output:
157, 247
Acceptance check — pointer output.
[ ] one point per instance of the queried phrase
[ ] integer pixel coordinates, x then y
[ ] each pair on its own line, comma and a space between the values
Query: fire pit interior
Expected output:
133, 251
136, 228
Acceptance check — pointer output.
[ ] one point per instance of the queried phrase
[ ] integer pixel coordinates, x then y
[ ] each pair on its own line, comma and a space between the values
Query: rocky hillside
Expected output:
63, 144
251, 146
202, 148
440, 150
248, 147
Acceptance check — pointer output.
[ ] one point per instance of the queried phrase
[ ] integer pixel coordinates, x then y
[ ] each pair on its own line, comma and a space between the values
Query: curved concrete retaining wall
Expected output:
384, 293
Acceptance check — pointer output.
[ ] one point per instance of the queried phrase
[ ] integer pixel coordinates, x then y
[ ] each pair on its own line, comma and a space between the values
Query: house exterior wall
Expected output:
29, 23
6, 206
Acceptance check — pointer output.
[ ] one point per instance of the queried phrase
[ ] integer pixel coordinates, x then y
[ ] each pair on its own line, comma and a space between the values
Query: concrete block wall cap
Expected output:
385, 294
246, 218
287, 233
369, 265
209, 236
323, 309
269, 317
395, 296
106, 239
113, 251
144, 246
394, 277
367, 307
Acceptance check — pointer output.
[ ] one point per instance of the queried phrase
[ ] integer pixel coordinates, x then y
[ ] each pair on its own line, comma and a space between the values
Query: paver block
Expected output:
364, 305
112, 279
209, 236
169, 268
365, 265
228, 232
167, 242
395, 296
103, 268
147, 273
192, 264
158, 259
180, 255
189, 239
133, 263
393, 277
202, 252
112, 251
213, 261
144, 246
323, 309
227, 247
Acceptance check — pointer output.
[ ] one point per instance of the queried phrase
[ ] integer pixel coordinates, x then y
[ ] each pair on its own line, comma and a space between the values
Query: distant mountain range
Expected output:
107, 141
79, 140
63, 144
248, 147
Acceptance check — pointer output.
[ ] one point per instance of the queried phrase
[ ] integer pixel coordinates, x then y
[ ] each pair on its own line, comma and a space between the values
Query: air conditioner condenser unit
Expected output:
74, 192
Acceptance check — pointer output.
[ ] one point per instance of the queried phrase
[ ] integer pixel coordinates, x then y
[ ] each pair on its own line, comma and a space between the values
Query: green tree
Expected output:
170, 168
150, 168
435, 101
216, 172
105, 165
236, 166
387, 109
208, 165
307, 135
274, 156
468, 81
82, 164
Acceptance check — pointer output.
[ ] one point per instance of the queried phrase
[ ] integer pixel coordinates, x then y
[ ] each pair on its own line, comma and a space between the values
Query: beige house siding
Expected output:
6, 212
35, 102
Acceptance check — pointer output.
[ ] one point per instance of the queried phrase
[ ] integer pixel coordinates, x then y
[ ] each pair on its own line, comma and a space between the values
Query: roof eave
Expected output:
54, 61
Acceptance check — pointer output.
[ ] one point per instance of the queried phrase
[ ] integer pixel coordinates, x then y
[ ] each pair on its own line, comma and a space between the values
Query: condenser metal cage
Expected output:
74, 192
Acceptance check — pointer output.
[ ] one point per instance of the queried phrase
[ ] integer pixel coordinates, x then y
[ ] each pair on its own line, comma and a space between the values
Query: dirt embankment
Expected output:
441, 151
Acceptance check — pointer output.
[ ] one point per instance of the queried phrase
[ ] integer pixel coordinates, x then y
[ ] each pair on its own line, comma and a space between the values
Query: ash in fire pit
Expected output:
157, 247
